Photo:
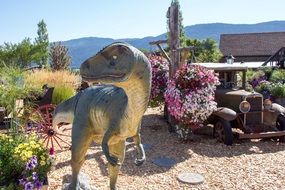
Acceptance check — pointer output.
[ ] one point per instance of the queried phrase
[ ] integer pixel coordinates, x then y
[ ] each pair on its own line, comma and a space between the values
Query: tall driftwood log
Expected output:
174, 41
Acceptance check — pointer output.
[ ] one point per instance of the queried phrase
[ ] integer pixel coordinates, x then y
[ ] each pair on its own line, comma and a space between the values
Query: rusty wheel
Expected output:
223, 132
40, 122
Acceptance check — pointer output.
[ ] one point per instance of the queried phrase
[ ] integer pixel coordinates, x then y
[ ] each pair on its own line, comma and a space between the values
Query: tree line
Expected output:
39, 52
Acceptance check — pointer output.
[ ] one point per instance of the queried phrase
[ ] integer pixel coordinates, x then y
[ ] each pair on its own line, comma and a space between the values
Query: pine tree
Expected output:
42, 44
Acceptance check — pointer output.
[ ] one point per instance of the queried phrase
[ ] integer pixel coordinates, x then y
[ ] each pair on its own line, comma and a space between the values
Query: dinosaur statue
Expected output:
110, 112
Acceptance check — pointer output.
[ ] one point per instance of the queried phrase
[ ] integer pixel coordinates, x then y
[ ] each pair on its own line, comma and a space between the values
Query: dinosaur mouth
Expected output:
107, 76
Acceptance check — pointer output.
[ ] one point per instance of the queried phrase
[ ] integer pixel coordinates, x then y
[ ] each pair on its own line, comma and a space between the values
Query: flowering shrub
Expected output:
159, 79
24, 162
264, 87
277, 90
257, 78
190, 95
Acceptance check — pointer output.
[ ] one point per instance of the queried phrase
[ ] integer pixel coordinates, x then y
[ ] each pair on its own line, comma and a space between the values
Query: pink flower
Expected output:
190, 95
159, 79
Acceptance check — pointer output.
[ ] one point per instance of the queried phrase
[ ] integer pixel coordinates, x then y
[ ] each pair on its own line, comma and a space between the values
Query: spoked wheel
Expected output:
280, 125
223, 131
40, 122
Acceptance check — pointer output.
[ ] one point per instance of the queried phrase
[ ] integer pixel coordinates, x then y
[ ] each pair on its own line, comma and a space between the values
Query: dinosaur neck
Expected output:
137, 87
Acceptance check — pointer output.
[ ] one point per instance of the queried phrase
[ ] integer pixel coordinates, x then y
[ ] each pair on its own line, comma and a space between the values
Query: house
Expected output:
254, 47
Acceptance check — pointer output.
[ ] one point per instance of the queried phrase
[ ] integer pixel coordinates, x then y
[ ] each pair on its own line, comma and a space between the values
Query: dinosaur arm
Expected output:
117, 113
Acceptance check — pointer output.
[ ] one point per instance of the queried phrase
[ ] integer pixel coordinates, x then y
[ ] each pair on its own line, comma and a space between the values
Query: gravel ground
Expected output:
245, 165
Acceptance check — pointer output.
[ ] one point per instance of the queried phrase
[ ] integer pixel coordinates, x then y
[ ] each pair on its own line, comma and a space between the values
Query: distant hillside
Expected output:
82, 48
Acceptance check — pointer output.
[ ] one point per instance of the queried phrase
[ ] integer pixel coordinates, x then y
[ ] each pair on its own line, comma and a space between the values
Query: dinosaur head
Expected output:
111, 65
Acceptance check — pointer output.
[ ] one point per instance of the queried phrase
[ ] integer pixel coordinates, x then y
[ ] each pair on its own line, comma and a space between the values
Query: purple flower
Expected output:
32, 163
38, 184
29, 166
29, 186
35, 176
23, 181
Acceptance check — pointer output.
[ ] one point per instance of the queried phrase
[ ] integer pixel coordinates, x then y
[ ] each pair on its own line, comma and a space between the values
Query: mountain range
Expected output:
82, 48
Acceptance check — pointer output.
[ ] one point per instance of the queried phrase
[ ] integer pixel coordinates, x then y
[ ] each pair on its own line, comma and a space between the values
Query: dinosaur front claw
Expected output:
139, 162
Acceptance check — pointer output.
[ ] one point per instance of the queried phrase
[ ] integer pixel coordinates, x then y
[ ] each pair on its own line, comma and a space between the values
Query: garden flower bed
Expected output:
24, 162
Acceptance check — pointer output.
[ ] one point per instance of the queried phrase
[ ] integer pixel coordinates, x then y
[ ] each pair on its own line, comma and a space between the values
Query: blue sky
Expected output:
70, 19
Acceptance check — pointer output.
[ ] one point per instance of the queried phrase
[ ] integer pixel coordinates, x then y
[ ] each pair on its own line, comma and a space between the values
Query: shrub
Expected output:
255, 77
13, 86
159, 80
62, 93
23, 161
264, 88
60, 59
277, 90
277, 76
190, 95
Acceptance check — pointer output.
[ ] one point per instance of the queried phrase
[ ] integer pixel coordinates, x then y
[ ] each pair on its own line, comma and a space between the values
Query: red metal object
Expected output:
40, 122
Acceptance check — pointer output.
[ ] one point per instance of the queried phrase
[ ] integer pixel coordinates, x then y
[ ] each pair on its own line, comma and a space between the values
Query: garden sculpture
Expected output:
111, 111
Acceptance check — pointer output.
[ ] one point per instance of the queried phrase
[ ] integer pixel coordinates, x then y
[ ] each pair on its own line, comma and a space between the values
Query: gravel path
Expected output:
245, 165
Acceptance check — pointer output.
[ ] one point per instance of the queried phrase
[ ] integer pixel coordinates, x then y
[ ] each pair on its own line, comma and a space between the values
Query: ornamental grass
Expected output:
52, 78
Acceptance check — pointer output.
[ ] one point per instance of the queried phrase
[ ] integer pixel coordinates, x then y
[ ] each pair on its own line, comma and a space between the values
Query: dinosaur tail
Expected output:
64, 112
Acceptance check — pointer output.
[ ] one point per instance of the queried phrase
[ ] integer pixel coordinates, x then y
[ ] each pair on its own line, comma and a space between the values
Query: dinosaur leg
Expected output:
81, 140
117, 150
140, 150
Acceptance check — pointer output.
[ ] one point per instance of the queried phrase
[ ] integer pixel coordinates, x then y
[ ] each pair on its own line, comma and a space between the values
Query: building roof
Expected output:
252, 44
236, 66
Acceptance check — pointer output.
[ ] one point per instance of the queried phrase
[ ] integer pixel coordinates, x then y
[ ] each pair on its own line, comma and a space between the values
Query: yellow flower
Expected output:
28, 148
42, 163
3, 136
23, 158
32, 142
29, 154
43, 157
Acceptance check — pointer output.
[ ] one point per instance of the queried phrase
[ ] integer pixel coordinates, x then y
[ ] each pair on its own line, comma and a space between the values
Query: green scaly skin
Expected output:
109, 113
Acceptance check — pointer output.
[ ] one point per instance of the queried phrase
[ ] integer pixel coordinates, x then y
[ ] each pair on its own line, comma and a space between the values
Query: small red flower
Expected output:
51, 151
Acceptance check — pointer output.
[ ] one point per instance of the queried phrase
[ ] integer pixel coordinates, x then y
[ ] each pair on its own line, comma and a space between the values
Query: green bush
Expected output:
62, 93
277, 76
13, 87
253, 74
263, 86
277, 90
250, 74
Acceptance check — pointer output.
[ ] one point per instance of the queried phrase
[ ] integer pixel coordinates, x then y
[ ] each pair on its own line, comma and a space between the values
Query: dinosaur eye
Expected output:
112, 63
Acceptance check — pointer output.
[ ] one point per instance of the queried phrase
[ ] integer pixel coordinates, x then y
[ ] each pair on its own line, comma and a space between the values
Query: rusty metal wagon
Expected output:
40, 122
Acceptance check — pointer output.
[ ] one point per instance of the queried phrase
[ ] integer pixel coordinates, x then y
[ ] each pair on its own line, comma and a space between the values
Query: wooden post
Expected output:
174, 41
